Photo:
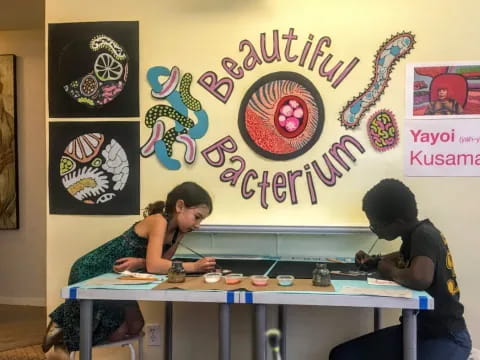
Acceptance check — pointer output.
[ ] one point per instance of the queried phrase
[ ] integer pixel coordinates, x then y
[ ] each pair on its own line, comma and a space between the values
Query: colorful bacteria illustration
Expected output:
281, 116
390, 52
182, 106
94, 169
382, 130
108, 77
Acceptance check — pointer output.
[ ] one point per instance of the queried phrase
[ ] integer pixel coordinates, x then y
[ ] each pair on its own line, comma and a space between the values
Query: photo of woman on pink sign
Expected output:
446, 90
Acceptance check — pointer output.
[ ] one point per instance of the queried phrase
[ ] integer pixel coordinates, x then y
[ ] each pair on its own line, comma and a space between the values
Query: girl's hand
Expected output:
129, 263
206, 264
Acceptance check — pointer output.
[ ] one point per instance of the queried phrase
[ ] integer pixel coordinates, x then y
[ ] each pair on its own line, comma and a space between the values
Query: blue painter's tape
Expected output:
423, 302
230, 297
73, 292
248, 297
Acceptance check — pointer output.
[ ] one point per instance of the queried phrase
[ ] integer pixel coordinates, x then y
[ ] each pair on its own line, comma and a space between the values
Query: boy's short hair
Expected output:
389, 200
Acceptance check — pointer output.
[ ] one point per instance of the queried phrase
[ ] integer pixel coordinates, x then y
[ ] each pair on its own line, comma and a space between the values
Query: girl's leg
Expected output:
132, 325
120, 333
134, 319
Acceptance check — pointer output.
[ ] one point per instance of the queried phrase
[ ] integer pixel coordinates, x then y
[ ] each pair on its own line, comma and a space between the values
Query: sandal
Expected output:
53, 336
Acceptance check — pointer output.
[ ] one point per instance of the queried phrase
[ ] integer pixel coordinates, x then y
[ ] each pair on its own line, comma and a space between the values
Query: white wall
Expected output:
195, 35
22, 251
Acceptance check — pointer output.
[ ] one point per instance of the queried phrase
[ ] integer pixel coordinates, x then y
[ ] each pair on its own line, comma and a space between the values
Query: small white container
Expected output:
212, 277
285, 280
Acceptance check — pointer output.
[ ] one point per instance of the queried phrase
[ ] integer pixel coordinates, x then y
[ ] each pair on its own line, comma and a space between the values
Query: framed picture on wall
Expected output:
93, 69
94, 167
8, 145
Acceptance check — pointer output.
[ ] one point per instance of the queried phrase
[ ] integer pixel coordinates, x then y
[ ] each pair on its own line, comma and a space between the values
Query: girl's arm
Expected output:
155, 261
201, 265
156, 228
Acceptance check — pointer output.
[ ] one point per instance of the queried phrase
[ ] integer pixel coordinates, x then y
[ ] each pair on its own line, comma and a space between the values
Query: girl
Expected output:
146, 245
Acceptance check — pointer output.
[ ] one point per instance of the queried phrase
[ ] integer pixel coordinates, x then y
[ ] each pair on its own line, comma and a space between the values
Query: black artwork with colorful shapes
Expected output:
94, 168
93, 69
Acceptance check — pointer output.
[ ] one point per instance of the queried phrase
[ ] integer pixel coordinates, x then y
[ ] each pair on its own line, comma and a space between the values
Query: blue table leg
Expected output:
86, 315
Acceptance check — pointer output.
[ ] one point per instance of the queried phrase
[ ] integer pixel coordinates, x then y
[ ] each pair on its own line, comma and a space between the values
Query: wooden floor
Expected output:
21, 332
24, 353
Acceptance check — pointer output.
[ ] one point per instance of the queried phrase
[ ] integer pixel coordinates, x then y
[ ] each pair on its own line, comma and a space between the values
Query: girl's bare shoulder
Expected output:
150, 224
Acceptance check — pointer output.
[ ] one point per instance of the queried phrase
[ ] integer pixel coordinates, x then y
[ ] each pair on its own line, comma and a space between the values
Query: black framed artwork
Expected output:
94, 168
93, 69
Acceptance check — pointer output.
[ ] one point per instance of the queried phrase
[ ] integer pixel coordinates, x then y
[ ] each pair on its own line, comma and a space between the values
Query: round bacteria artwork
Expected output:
281, 116
94, 168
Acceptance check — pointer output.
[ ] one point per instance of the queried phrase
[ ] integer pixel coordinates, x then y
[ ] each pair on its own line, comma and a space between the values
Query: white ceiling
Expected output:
21, 14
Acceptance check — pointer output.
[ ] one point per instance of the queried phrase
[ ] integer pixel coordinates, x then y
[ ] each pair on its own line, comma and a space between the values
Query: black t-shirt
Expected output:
426, 240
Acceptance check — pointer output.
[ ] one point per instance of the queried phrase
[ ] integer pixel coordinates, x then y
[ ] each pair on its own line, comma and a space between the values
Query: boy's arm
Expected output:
369, 262
392, 257
418, 276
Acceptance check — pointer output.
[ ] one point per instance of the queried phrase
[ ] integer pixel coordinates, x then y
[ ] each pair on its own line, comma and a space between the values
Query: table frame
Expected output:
260, 299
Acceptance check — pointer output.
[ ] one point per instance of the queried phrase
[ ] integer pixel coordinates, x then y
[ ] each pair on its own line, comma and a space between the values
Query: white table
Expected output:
260, 299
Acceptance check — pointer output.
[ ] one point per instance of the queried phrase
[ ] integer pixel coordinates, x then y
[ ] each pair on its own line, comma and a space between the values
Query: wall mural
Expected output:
282, 115
382, 130
93, 69
94, 168
184, 130
388, 54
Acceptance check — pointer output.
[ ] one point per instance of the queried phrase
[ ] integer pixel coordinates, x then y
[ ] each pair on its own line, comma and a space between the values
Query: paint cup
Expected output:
212, 277
232, 279
259, 280
285, 280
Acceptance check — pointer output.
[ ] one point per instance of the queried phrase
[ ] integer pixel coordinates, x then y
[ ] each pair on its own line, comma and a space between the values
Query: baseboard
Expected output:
31, 301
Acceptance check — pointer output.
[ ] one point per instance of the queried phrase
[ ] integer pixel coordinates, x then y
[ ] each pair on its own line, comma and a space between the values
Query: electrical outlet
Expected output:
153, 334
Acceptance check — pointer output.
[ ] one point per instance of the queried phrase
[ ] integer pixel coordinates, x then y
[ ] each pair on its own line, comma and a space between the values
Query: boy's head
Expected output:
390, 206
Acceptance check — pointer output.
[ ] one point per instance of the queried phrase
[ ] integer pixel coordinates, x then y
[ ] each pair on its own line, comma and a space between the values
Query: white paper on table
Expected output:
351, 290
109, 281
137, 275
374, 281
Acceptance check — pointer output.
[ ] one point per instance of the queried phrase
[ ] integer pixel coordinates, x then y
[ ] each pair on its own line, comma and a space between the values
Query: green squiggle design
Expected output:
158, 111
170, 137
192, 103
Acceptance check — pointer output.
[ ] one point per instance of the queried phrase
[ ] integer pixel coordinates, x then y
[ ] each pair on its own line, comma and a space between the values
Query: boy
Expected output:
424, 262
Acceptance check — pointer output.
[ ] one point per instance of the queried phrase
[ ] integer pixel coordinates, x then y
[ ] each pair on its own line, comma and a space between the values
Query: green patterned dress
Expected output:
108, 315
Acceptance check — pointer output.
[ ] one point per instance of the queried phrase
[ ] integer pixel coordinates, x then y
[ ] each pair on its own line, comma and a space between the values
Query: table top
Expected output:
352, 293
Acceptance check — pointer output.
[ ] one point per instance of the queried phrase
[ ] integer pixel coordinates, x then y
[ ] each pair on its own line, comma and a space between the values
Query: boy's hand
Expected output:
366, 262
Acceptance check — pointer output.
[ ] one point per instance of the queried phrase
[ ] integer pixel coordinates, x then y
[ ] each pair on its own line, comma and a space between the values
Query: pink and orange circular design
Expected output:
281, 116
